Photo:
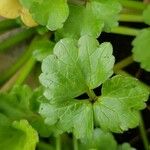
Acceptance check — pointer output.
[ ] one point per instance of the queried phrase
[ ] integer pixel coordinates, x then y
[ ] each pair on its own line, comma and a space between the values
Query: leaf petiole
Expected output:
8, 24
15, 39
58, 142
133, 4
75, 143
125, 31
91, 95
131, 18
20, 76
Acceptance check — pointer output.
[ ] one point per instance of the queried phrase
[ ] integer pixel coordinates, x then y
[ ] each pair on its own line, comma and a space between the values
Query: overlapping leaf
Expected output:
49, 13
22, 103
90, 19
18, 135
13, 9
141, 49
146, 16
76, 68
100, 140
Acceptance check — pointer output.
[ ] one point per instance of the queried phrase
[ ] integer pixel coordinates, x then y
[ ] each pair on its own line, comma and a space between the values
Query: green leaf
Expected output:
26, 3
17, 136
22, 103
146, 15
42, 49
141, 49
15, 105
71, 116
125, 146
117, 109
95, 17
99, 141
91, 22
76, 67
49, 13
109, 12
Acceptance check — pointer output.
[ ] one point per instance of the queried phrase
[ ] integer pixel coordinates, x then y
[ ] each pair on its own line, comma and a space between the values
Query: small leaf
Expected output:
76, 67
125, 146
146, 15
141, 49
99, 141
95, 17
49, 13
10, 8
27, 18
91, 22
18, 136
117, 109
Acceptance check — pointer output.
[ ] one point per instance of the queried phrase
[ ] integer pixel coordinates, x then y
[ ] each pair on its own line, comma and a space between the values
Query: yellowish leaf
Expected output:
10, 8
27, 18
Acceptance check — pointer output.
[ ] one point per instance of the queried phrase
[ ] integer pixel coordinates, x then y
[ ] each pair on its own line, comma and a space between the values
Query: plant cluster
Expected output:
64, 108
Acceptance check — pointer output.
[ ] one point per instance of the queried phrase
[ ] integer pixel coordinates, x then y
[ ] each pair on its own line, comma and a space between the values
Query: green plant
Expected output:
64, 41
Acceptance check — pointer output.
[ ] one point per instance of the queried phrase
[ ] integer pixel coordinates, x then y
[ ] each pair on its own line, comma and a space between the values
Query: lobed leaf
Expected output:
146, 16
90, 19
76, 67
99, 140
17, 136
141, 49
117, 109
49, 13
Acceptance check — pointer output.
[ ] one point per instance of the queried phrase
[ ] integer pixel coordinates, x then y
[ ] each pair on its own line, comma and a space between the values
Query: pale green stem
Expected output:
123, 63
19, 76
75, 143
125, 31
143, 133
91, 95
131, 18
14, 67
8, 24
133, 4
58, 142
15, 39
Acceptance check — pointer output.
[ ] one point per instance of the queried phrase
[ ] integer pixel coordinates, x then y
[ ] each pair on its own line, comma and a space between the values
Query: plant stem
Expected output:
133, 4
130, 18
15, 39
14, 67
25, 70
75, 143
143, 133
123, 63
20, 75
8, 24
58, 142
125, 31
91, 95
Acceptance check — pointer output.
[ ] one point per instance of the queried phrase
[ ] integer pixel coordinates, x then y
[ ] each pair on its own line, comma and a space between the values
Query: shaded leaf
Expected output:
141, 49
